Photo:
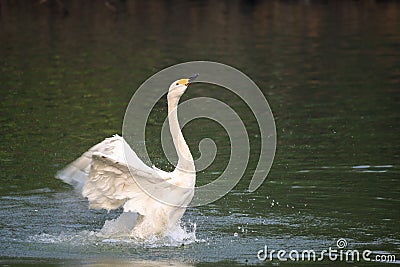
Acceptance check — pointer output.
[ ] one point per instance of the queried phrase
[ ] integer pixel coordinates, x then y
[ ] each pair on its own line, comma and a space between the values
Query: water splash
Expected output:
119, 227
118, 231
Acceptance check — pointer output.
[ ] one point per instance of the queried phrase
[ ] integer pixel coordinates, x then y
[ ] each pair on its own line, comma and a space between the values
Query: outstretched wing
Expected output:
77, 172
110, 174
111, 183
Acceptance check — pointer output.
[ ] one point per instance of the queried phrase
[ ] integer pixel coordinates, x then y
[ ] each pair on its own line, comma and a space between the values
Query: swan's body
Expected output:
111, 175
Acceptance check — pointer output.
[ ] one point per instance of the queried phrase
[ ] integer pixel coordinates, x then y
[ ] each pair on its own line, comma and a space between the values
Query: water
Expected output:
330, 71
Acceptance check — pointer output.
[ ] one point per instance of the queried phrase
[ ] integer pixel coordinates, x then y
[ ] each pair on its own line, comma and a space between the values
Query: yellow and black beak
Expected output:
188, 81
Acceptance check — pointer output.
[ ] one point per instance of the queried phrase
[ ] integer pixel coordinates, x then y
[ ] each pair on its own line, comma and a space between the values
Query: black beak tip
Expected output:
193, 77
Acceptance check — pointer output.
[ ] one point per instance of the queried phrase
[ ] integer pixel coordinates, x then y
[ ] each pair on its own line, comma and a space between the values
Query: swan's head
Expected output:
177, 88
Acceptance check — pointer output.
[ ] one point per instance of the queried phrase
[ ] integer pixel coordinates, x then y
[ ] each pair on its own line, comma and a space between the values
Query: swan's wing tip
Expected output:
77, 172
74, 175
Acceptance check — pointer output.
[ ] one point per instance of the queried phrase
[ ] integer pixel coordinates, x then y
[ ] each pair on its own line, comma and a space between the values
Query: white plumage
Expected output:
111, 175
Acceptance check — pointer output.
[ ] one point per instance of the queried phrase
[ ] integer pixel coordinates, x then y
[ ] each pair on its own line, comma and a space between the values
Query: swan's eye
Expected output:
177, 84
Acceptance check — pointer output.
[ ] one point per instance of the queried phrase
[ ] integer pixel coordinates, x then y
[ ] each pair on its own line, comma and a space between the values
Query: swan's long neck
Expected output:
185, 159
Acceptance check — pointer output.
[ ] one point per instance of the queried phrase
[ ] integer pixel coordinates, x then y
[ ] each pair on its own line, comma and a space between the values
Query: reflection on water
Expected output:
144, 263
329, 70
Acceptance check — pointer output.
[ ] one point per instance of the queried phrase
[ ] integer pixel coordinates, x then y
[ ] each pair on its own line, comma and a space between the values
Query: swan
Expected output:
110, 175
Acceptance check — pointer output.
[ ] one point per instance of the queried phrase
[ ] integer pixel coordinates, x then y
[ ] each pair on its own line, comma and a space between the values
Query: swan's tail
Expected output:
77, 172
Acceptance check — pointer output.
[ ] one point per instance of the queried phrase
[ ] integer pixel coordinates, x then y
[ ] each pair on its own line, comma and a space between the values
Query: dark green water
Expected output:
329, 69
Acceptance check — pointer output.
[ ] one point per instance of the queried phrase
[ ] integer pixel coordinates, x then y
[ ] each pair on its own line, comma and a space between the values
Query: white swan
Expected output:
111, 175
